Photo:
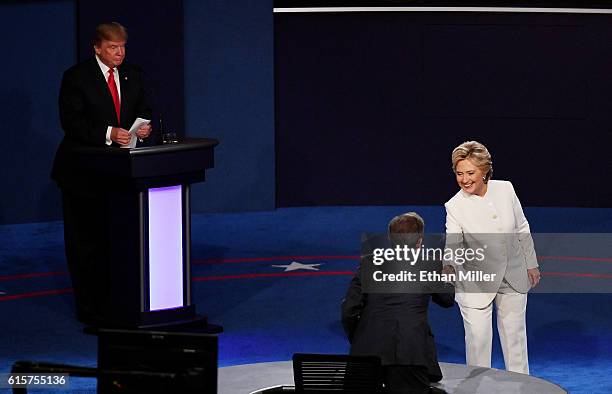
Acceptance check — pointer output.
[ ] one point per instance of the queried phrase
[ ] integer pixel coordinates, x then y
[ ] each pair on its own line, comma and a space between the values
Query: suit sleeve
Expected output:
442, 293
352, 306
77, 125
445, 299
523, 231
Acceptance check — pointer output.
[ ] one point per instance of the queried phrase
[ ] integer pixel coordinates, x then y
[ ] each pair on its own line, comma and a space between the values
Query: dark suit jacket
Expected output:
394, 327
86, 110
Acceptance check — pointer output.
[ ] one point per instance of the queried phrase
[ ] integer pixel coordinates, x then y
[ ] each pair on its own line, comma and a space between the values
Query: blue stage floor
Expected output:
269, 313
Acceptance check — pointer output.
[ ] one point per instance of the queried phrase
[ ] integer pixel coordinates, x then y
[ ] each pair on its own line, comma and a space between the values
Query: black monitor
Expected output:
134, 361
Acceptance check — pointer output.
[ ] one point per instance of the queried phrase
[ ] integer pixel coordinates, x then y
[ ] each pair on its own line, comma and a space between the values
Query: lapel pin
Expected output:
125, 78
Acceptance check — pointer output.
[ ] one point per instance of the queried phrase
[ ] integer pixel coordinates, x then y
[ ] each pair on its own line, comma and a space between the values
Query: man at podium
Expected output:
99, 100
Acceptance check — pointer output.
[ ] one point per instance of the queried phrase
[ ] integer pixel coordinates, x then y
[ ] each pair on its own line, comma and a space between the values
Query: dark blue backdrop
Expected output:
369, 105
39, 44
229, 95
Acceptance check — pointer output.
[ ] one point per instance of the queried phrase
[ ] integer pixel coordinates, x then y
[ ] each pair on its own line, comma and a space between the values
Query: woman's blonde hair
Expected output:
477, 153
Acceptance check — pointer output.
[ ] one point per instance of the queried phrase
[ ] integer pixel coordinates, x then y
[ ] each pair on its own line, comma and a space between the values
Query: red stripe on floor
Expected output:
271, 275
574, 258
354, 257
578, 275
35, 294
32, 275
274, 258
285, 258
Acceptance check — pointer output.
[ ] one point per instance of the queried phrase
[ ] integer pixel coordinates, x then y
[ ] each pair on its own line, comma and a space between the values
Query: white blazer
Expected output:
497, 221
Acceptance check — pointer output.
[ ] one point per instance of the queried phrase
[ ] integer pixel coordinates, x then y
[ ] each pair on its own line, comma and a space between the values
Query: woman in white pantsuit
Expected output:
487, 214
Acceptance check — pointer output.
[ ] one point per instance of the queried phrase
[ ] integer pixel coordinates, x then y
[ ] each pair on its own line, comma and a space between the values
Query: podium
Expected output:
149, 253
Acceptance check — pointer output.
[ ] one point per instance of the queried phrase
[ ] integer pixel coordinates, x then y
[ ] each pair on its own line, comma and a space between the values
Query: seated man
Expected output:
394, 326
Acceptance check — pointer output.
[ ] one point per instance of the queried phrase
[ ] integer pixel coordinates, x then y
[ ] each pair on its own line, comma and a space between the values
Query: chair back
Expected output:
326, 373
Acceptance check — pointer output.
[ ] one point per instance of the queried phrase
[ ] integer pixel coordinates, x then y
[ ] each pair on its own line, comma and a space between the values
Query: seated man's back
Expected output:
395, 326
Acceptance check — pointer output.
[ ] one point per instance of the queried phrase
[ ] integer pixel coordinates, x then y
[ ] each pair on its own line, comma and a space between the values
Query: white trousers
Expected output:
477, 322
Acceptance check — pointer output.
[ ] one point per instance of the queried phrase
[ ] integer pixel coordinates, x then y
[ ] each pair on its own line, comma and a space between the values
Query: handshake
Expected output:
448, 269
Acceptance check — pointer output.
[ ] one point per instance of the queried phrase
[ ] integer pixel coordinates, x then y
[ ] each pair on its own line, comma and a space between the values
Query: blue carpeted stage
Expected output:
245, 281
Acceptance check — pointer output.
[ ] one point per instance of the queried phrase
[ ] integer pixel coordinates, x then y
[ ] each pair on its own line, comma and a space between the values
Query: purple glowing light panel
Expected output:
165, 248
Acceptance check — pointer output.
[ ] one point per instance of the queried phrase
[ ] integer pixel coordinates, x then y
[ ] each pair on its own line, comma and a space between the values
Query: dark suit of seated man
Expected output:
394, 326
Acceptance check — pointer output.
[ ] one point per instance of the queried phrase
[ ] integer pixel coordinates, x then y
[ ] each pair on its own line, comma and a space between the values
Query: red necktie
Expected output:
115, 93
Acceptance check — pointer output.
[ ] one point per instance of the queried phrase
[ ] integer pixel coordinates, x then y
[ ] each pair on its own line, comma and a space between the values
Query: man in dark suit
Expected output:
99, 100
394, 326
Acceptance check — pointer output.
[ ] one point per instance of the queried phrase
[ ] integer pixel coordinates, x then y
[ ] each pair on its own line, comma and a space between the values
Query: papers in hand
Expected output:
135, 126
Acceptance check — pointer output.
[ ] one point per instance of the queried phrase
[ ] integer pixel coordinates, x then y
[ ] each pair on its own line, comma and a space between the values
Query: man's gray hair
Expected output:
406, 229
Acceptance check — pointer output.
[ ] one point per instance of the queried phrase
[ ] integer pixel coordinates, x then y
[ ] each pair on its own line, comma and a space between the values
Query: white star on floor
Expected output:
298, 266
